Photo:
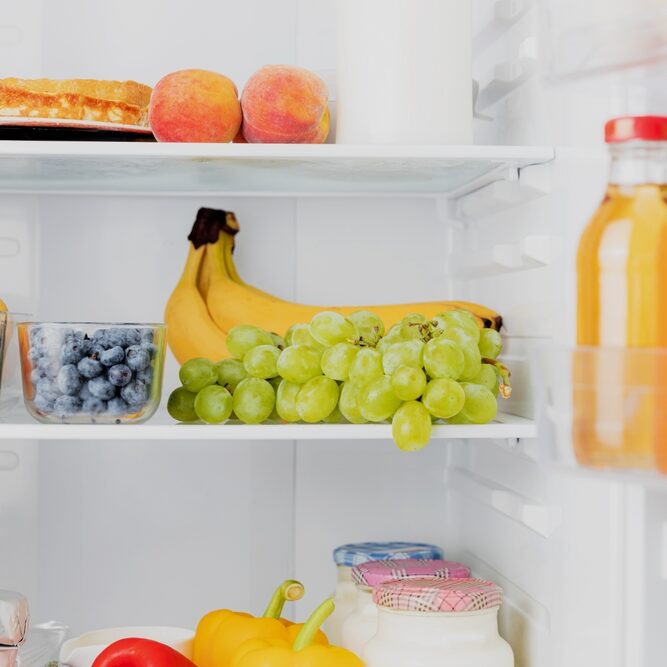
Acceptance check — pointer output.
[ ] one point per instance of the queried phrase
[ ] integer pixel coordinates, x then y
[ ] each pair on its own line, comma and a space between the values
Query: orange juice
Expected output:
620, 368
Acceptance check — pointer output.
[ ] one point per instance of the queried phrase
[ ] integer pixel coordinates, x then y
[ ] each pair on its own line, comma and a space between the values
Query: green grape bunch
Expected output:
337, 369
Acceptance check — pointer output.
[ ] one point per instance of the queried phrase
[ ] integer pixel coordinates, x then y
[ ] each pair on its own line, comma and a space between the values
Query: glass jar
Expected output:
622, 304
348, 555
361, 625
436, 622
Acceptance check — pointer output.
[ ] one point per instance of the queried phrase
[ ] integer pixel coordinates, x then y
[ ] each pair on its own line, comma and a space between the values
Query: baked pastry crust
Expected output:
124, 102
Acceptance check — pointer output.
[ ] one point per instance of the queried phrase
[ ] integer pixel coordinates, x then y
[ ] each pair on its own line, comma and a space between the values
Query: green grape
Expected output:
243, 337
408, 382
487, 377
367, 365
196, 374
480, 406
462, 319
349, 404
393, 336
377, 400
405, 353
262, 362
275, 382
317, 399
443, 398
336, 417
443, 358
286, 400
370, 328
299, 363
299, 334
278, 341
459, 419
230, 373
181, 405
411, 326
213, 404
490, 343
472, 359
411, 426
254, 400
329, 328
336, 360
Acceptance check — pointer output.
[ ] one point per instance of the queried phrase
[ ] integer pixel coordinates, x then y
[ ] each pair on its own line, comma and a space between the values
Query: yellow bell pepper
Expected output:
303, 652
221, 632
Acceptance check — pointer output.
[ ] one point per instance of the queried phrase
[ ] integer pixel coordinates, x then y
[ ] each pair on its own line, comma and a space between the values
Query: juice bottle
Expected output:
620, 368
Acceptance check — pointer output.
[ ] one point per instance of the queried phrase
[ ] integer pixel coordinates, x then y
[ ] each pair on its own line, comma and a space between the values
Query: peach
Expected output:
195, 105
285, 105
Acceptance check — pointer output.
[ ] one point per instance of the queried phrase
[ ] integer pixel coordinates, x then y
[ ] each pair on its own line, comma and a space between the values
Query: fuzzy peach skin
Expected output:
285, 105
195, 105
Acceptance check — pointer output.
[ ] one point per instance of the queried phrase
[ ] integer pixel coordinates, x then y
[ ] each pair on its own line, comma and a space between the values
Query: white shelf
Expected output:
60, 167
161, 427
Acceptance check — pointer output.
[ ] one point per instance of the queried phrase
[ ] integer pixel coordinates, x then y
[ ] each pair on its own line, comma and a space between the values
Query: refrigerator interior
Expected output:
118, 531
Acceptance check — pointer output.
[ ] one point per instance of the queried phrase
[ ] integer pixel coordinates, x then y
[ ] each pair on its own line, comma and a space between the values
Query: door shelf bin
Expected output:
602, 408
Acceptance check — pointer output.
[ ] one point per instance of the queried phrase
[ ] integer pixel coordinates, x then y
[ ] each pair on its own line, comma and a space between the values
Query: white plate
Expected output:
65, 123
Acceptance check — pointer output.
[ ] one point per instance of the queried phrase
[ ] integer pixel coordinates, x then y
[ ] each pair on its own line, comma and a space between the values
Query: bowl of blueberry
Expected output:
82, 373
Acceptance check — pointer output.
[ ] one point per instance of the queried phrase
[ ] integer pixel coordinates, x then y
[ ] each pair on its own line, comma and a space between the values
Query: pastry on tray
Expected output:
122, 102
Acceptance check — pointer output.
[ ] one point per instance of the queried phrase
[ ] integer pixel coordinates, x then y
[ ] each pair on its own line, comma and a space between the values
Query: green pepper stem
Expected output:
309, 629
290, 590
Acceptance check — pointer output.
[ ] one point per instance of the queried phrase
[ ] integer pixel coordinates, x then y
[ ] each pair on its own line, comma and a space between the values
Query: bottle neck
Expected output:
433, 628
638, 163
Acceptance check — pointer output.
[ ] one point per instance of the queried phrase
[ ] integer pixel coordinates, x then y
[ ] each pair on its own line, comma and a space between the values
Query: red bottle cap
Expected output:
636, 128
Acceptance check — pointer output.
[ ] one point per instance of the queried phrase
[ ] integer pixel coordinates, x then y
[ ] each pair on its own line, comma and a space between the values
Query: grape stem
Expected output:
504, 388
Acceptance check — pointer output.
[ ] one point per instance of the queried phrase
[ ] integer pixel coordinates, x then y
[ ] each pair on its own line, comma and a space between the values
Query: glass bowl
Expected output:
91, 372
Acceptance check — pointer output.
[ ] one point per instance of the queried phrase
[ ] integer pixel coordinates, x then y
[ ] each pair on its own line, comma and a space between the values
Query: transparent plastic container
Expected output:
603, 407
603, 36
82, 373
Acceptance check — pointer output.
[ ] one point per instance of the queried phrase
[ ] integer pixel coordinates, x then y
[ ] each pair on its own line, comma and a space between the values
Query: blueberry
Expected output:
96, 350
119, 375
135, 393
34, 354
116, 337
145, 375
146, 335
35, 335
132, 337
43, 404
66, 406
113, 356
151, 348
36, 375
72, 351
137, 358
89, 367
48, 389
94, 406
69, 381
100, 387
117, 406
85, 394
49, 366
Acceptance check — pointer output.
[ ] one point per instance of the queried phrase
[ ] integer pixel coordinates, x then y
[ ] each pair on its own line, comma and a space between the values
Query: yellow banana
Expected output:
190, 330
231, 302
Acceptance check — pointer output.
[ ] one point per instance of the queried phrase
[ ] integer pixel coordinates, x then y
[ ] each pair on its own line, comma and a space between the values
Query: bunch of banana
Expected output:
211, 298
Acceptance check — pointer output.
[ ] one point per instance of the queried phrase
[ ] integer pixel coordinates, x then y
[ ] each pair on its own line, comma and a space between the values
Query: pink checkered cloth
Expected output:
373, 574
433, 595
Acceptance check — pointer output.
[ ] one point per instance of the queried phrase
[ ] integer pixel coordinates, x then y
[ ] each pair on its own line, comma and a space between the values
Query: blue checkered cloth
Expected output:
350, 555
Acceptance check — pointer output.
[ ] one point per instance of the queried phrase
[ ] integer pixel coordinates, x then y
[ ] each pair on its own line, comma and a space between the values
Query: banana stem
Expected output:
309, 629
290, 590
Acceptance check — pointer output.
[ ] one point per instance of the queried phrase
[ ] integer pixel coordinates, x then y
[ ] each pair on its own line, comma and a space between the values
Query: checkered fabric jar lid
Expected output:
378, 572
350, 555
438, 595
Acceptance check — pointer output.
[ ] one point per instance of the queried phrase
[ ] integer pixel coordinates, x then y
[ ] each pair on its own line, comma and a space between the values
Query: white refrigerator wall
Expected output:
100, 534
